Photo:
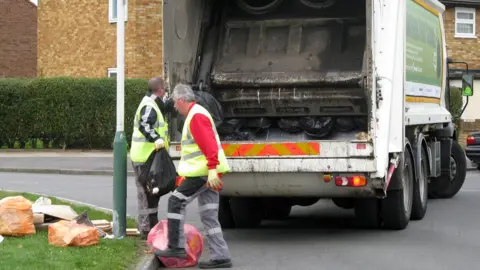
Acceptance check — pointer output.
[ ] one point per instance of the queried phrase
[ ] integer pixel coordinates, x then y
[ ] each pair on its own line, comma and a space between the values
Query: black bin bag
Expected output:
206, 100
163, 173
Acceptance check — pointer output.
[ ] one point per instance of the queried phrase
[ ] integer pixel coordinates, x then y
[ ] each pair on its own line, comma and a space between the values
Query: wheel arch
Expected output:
396, 185
409, 148
420, 144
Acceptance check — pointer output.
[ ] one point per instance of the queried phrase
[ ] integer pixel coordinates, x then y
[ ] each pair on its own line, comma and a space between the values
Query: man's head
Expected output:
156, 86
183, 97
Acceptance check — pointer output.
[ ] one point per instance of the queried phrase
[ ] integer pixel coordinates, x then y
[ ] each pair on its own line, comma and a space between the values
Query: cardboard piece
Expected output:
101, 222
42, 226
57, 211
103, 225
133, 232
38, 218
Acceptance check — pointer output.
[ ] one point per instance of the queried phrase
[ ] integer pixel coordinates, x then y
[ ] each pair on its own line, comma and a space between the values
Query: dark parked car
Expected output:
473, 147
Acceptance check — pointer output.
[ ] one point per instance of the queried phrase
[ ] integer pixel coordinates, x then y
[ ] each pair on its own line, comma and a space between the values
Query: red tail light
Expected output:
471, 140
351, 181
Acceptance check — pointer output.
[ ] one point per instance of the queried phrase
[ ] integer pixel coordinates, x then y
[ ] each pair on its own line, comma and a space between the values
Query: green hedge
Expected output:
64, 112
75, 113
456, 102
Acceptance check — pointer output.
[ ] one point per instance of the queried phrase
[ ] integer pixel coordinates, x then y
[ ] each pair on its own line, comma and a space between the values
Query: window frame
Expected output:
111, 71
465, 21
111, 19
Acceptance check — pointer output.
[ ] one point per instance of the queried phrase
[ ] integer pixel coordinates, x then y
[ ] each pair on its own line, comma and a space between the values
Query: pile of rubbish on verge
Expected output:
19, 217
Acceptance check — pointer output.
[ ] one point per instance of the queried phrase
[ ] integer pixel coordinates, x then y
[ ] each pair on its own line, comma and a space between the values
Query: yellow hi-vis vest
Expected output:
141, 148
193, 162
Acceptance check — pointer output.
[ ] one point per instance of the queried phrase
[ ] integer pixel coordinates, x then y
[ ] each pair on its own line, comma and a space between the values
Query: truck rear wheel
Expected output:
420, 192
246, 212
367, 214
277, 208
225, 214
458, 172
396, 208
344, 203
305, 201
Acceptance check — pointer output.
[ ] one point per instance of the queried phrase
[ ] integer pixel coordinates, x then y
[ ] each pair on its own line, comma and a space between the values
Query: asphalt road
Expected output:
317, 237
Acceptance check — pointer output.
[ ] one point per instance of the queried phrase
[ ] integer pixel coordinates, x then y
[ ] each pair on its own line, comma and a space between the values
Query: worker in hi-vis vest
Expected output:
150, 133
201, 166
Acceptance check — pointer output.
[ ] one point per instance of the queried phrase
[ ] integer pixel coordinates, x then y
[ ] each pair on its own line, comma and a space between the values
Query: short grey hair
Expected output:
183, 91
155, 83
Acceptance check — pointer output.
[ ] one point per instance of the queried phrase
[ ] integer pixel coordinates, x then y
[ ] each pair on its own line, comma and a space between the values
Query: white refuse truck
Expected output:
322, 99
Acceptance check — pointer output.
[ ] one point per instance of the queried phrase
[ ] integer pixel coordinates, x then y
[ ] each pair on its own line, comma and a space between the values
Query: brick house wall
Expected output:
18, 39
75, 38
462, 49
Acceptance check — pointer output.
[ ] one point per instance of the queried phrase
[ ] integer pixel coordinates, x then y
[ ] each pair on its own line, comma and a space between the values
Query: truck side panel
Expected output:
426, 65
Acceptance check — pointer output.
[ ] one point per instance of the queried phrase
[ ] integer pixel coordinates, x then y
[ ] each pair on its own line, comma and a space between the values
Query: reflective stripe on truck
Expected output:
323, 149
272, 149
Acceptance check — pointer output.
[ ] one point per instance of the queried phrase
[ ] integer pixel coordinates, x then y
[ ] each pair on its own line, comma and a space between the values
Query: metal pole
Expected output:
120, 142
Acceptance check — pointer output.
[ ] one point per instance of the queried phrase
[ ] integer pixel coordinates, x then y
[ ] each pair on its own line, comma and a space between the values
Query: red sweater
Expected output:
202, 132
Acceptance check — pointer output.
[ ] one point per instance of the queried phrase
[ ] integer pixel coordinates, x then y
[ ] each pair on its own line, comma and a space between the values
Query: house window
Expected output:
465, 22
112, 10
112, 72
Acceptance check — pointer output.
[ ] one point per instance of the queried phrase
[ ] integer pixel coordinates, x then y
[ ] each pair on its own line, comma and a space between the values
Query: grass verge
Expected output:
34, 252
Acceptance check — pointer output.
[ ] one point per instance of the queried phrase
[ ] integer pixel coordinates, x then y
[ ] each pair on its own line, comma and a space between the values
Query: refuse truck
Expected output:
342, 100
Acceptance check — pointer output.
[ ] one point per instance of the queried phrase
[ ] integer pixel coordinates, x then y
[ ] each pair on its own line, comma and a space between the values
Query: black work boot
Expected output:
215, 264
172, 252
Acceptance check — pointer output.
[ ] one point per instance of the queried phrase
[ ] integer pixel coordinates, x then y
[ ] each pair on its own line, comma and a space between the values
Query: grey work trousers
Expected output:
208, 202
147, 203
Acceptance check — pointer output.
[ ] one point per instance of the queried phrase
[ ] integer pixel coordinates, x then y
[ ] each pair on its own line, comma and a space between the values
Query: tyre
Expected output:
420, 191
318, 4
458, 172
344, 203
304, 201
367, 214
246, 212
225, 214
277, 208
256, 7
396, 208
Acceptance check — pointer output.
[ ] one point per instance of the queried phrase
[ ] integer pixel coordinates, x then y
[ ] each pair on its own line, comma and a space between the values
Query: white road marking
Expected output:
14, 154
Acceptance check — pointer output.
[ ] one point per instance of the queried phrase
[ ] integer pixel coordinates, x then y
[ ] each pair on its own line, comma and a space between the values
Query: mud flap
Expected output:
443, 181
394, 183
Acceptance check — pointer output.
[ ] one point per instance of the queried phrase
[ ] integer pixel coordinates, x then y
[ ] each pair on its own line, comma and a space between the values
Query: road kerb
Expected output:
149, 262
62, 171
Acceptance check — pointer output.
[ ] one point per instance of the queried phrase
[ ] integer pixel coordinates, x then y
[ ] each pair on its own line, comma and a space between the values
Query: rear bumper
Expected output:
289, 185
295, 178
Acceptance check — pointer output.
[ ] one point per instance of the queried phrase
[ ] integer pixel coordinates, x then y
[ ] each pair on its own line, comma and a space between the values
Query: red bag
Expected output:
158, 239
